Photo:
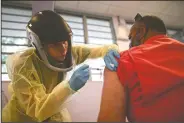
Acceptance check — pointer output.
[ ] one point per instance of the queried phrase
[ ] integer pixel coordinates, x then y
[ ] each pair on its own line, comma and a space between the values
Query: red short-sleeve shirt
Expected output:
153, 74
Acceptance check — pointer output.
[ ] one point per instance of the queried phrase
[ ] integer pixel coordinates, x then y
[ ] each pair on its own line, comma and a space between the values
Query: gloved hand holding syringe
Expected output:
81, 76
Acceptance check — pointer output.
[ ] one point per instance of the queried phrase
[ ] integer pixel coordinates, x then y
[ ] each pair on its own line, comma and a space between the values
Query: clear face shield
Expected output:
63, 66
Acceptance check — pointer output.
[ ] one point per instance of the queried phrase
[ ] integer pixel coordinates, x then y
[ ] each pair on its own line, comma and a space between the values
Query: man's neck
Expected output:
152, 34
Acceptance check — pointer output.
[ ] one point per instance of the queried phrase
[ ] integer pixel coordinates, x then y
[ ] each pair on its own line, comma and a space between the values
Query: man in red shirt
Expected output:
151, 74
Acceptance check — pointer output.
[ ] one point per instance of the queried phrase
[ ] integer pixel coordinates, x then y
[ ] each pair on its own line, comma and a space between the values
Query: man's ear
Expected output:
142, 32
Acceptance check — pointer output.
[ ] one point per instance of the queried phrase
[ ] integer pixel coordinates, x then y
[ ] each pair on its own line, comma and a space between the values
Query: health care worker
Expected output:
38, 84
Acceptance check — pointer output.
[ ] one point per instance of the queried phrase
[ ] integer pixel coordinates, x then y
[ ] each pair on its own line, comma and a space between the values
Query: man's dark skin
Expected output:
138, 34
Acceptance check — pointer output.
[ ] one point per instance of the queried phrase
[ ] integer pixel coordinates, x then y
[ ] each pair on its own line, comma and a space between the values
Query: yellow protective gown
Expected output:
38, 93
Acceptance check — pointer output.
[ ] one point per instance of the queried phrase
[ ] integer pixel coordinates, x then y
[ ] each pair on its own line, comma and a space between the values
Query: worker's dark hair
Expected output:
154, 23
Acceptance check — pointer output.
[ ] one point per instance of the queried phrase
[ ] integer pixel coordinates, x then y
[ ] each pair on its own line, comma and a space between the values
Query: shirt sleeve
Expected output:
125, 68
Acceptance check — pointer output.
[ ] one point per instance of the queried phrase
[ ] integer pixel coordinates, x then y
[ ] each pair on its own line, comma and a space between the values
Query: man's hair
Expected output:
154, 23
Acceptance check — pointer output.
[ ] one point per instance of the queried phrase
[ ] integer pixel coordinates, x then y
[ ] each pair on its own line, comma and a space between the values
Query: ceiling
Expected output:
171, 12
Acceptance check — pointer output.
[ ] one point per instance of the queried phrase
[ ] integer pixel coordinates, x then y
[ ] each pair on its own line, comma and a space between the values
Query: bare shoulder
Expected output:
110, 75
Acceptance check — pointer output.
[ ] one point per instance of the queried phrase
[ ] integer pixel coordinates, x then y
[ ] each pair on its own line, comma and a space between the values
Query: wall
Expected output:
5, 89
84, 106
42, 5
121, 32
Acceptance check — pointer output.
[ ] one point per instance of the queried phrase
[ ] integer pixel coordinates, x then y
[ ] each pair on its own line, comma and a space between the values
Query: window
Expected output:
99, 32
91, 31
13, 38
76, 24
171, 32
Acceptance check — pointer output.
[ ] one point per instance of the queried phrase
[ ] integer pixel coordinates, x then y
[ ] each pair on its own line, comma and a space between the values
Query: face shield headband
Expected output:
49, 62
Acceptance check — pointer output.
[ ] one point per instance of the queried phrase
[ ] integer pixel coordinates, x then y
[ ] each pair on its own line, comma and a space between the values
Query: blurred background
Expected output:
93, 23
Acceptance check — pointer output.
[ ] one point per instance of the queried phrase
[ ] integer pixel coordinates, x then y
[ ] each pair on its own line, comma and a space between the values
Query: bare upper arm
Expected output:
112, 106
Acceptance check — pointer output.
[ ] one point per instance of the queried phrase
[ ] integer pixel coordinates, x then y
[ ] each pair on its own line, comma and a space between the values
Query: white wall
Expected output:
42, 5
5, 89
121, 32
84, 106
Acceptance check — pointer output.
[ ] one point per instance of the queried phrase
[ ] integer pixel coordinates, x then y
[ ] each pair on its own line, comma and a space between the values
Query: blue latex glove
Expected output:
110, 60
79, 77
